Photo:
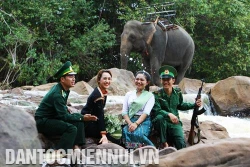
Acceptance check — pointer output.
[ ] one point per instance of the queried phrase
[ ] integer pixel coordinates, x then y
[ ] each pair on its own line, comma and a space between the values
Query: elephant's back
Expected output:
132, 23
179, 38
179, 34
180, 48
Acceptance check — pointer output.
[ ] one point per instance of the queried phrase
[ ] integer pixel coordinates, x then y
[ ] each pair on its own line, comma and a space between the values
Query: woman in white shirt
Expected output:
136, 110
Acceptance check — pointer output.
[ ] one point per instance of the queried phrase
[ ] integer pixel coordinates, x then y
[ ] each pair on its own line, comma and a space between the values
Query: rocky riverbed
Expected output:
18, 131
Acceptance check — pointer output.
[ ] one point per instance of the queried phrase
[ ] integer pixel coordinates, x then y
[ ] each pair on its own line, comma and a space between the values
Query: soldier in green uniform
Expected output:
165, 116
53, 117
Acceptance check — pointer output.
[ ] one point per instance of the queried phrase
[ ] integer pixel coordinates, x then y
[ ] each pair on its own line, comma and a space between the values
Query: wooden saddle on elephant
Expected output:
163, 14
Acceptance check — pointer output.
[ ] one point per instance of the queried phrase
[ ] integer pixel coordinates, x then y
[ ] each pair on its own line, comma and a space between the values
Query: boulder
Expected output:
17, 91
154, 88
114, 109
143, 153
44, 87
27, 87
207, 87
191, 86
231, 96
209, 131
122, 82
82, 88
213, 131
17, 131
223, 153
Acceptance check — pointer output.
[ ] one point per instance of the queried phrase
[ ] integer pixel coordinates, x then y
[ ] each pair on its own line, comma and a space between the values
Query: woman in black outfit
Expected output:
95, 106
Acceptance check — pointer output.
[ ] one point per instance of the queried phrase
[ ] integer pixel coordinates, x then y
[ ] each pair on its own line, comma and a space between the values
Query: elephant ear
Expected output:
148, 29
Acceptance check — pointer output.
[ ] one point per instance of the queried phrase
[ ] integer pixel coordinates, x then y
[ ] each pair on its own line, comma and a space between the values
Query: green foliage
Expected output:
135, 62
37, 37
221, 32
113, 123
86, 48
45, 34
38, 68
132, 11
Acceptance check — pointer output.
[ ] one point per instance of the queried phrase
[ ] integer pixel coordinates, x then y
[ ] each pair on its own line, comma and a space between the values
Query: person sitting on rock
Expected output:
53, 117
136, 110
165, 116
95, 106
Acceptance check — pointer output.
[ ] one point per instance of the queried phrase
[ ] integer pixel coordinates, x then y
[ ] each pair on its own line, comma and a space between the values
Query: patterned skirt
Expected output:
139, 137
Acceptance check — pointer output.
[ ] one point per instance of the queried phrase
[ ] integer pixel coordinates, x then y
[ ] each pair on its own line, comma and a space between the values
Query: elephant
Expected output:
173, 47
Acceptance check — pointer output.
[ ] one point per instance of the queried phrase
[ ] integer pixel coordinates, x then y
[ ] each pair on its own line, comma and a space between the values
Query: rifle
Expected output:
194, 120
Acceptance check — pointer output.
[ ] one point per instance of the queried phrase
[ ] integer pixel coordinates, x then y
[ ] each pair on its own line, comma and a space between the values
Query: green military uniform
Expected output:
165, 104
52, 116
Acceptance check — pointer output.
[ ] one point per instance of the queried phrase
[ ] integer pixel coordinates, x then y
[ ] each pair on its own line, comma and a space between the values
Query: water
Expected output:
236, 127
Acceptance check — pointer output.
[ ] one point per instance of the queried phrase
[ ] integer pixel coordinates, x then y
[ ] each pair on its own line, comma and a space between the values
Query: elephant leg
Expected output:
154, 66
181, 74
146, 64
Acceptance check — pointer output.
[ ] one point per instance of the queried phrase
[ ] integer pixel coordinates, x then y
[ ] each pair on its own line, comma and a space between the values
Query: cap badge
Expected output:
166, 72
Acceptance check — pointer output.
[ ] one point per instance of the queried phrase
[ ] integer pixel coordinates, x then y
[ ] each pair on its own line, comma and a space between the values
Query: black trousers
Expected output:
92, 130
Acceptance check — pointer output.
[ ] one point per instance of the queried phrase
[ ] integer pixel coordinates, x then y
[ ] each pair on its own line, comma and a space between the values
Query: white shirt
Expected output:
130, 97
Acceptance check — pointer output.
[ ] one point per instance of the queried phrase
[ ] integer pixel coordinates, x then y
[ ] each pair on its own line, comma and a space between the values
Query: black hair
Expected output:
145, 73
147, 76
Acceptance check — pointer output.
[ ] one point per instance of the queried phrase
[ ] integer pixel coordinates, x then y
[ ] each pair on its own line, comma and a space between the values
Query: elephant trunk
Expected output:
124, 53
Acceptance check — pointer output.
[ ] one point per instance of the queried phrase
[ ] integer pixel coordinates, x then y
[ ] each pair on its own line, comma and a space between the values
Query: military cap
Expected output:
167, 72
65, 69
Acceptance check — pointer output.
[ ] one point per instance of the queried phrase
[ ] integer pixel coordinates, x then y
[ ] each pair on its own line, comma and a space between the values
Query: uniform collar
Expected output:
103, 92
173, 91
63, 88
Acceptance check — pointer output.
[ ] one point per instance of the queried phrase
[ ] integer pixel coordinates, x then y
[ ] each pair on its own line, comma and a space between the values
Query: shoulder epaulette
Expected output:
177, 89
63, 94
158, 92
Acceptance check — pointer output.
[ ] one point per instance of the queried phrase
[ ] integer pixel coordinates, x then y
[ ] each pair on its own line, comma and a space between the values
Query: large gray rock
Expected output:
224, 153
17, 131
44, 87
82, 88
190, 86
209, 131
231, 96
17, 91
122, 82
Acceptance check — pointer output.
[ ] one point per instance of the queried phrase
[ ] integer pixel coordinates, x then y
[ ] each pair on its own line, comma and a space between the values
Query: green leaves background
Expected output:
37, 37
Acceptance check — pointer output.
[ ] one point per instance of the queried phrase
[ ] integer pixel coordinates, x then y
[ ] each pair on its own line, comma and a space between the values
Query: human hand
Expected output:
132, 127
198, 102
69, 110
89, 117
173, 118
103, 140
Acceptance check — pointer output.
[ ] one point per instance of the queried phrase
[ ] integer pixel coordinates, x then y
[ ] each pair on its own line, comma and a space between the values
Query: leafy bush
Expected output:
113, 123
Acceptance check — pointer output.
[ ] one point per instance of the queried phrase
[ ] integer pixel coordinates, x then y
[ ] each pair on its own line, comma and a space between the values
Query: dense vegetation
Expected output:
37, 37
